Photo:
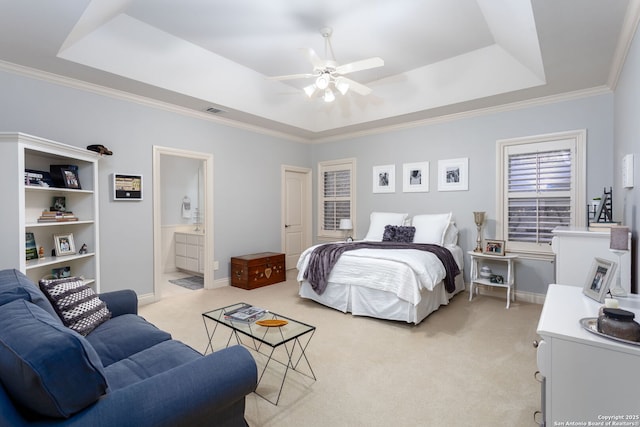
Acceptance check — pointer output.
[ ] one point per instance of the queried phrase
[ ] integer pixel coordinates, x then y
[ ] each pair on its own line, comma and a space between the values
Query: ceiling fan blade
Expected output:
313, 57
364, 64
292, 76
355, 86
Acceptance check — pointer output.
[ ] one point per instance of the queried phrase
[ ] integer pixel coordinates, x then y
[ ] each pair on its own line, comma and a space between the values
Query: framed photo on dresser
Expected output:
599, 278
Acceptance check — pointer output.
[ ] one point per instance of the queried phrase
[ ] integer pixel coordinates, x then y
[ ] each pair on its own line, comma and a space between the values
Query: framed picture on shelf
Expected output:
384, 179
415, 177
599, 278
453, 174
59, 204
64, 244
61, 273
65, 176
494, 247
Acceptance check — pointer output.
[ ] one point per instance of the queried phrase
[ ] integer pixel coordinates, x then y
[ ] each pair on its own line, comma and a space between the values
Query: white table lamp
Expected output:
347, 225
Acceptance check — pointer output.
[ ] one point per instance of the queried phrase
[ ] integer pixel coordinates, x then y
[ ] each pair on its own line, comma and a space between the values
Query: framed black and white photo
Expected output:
127, 187
384, 179
599, 278
64, 244
415, 177
453, 174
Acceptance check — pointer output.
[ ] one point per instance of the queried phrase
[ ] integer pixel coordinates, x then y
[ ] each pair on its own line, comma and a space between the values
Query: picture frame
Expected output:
453, 174
384, 179
494, 247
61, 273
64, 244
65, 176
127, 186
415, 177
599, 278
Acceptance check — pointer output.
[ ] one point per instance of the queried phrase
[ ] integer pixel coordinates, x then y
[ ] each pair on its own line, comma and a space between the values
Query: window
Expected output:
541, 186
335, 196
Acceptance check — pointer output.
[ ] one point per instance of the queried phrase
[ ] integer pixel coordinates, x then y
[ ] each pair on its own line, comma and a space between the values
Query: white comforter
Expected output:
404, 272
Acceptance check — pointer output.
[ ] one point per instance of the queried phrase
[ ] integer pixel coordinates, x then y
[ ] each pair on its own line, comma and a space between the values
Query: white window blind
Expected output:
336, 196
542, 185
539, 198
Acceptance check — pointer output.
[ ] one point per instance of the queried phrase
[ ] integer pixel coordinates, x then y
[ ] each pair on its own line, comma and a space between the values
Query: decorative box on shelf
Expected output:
256, 270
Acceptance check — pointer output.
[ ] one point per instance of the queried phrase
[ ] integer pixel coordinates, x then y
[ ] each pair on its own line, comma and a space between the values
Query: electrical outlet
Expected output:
216, 265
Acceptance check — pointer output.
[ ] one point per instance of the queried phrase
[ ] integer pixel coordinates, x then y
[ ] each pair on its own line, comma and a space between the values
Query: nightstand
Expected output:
476, 258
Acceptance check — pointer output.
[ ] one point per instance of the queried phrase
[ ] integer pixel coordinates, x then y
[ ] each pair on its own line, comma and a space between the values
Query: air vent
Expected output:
213, 110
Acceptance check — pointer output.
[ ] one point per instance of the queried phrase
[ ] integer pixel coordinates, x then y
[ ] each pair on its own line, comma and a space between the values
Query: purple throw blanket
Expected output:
324, 257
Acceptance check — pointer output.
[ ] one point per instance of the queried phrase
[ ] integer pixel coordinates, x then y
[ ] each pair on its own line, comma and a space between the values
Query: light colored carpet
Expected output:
469, 363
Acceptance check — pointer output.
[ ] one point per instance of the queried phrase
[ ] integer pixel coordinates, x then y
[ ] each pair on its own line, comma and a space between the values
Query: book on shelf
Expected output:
57, 216
32, 250
246, 314
602, 226
36, 178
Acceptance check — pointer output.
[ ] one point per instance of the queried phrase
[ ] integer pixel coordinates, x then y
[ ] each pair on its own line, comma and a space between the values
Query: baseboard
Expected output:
221, 283
146, 299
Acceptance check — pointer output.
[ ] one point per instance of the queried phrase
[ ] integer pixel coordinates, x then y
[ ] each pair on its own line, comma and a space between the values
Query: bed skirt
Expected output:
363, 301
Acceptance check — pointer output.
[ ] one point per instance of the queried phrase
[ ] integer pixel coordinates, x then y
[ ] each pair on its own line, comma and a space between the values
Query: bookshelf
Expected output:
25, 203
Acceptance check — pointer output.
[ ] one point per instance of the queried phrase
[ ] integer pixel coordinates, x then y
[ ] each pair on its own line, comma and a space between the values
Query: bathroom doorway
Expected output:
182, 210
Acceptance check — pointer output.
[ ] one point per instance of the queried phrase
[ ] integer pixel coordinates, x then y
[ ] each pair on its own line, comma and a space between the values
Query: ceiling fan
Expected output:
329, 76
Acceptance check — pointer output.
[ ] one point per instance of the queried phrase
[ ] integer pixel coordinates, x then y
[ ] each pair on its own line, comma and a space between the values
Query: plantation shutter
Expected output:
337, 198
542, 186
336, 194
539, 195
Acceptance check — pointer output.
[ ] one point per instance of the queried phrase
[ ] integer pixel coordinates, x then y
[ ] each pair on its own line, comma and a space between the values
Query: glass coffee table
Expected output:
293, 337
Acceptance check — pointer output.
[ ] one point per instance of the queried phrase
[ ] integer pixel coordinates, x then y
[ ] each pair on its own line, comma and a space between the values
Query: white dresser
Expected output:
587, 377
575, 249
190, 252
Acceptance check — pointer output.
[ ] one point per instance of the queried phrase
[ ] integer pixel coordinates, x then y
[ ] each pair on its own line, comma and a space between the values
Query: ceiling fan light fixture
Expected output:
342, 86
310, 90
328, 95
322, 82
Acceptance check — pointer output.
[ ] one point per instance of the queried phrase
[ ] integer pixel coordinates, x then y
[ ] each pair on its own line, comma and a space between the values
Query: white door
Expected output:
296, 213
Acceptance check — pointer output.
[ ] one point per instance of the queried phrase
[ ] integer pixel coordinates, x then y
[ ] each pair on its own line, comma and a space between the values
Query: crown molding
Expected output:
627, 33
535, 102
152, 103
148, 102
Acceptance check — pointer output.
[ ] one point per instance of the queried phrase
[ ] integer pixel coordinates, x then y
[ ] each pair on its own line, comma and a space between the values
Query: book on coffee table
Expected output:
246, 313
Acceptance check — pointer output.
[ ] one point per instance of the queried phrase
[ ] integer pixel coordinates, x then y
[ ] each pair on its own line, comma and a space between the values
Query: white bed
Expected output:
393, 284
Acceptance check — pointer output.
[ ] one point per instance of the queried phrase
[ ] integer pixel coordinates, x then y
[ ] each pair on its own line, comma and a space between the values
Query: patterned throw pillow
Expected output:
76, 303
398, 233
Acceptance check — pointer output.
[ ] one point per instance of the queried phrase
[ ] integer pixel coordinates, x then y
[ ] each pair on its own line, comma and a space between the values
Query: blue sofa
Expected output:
126, 372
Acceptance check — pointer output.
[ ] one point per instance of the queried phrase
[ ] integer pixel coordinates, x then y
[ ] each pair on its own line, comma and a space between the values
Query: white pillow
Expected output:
431, 228
377, 222
450, 235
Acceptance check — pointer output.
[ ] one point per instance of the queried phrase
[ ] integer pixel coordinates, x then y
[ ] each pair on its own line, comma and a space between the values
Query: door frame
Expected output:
207, 159
307, 239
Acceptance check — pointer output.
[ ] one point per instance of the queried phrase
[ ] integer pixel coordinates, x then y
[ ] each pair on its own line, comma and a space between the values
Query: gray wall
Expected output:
247, 166
627, 141
246, 170
474, 138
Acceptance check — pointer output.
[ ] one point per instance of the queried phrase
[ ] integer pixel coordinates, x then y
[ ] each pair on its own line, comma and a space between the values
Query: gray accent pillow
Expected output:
398, 233
76, 304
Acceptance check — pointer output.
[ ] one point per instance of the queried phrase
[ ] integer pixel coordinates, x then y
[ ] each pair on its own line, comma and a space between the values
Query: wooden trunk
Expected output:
256, 270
